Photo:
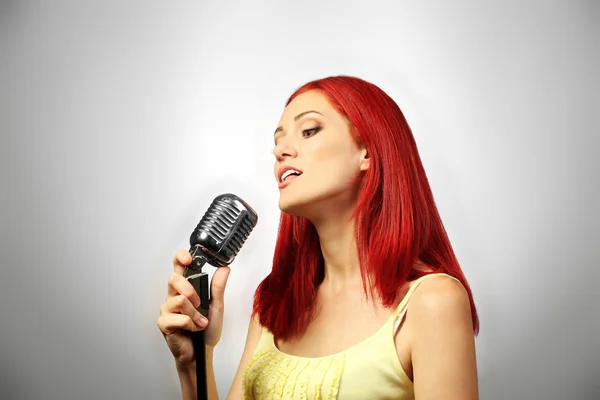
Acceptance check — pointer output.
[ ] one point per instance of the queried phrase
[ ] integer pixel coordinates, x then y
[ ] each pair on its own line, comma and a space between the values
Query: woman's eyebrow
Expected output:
296, 118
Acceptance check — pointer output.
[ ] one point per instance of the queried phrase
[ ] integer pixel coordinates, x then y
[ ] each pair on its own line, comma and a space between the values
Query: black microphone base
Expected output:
200, 283
200, 354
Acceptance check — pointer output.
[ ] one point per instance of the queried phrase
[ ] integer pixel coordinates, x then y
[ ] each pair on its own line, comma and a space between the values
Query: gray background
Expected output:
120, 122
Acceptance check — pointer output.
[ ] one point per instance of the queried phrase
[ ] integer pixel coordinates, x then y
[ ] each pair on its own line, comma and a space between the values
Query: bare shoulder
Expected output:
255, 325
252, 339
254, 333
440, 299
442, 340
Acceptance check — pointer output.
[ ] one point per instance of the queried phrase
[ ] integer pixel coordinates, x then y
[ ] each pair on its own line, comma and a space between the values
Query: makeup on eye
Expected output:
296, 119
305, 133
311, 131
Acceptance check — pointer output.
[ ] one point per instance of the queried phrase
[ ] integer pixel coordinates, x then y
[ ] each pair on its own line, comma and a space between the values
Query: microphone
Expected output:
217, 239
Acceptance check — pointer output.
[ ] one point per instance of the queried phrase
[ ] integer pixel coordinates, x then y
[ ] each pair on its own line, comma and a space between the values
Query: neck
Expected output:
338, 246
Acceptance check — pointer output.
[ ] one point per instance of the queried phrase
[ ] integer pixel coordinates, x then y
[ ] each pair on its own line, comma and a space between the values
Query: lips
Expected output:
285, 171
287, 181
287, 174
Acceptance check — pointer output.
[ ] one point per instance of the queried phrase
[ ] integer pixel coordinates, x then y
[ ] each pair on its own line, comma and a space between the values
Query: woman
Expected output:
366, 299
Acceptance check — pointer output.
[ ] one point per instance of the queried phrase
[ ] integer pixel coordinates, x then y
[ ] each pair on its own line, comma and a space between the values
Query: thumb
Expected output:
217, 288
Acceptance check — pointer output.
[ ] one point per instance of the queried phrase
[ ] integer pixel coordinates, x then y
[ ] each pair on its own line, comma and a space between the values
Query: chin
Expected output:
312, 205
294, 206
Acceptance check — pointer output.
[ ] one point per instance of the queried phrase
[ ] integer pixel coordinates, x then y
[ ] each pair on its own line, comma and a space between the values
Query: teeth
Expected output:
288, 173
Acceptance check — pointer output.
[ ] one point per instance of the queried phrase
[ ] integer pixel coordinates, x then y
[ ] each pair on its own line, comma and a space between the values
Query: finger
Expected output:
181, 304
217, 288
181, 259
179, 285
169, 323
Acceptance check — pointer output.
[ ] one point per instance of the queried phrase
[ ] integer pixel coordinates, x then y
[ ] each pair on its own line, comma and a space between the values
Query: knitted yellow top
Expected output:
369, 370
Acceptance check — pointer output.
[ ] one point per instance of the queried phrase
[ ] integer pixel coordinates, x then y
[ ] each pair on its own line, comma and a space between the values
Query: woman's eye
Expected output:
311, 131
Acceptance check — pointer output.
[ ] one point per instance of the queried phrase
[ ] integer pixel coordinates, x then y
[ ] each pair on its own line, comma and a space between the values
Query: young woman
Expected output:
366, 299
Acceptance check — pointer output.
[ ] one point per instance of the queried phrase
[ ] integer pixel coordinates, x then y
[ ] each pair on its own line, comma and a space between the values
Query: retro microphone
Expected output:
216, 240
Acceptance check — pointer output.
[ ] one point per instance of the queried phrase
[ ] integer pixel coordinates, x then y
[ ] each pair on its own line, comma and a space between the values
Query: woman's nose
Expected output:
284, 149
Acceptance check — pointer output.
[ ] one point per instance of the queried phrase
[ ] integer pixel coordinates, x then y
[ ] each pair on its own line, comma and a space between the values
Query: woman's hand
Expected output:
178, 314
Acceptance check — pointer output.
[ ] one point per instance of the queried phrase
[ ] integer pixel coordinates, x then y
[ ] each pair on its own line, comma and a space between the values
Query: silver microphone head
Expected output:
222, 231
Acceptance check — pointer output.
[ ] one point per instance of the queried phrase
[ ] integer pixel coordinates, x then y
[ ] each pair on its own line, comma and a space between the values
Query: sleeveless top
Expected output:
368, 370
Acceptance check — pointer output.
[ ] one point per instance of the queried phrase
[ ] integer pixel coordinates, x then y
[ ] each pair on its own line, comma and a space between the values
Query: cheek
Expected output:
336, 162
336, 170
328, 150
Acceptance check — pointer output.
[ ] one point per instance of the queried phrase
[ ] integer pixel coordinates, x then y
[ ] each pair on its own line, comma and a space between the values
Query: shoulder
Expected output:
255, 328
442, 340
253, 337
440, 301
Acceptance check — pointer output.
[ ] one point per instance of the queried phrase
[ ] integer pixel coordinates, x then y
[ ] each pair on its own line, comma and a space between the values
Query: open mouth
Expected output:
290, 174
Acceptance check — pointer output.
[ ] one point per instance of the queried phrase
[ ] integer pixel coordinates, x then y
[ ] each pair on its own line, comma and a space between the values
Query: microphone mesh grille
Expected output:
239, 236
219, 219
223, 229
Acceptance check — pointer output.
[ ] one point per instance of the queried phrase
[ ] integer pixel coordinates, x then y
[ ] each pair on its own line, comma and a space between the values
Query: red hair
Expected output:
396, 219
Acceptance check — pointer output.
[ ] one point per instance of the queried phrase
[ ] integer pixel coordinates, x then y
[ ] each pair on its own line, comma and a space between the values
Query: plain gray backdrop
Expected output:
121, 121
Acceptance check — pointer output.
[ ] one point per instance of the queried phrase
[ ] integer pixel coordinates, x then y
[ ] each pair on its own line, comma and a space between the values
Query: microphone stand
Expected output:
199, 280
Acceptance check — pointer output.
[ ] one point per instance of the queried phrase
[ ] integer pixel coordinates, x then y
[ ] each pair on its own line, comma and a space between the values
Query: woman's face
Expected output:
315, 141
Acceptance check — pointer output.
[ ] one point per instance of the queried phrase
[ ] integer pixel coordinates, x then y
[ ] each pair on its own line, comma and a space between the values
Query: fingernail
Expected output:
200, 320
196, 303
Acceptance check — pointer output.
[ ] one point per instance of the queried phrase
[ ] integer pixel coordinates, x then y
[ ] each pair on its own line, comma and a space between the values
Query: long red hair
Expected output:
396, 219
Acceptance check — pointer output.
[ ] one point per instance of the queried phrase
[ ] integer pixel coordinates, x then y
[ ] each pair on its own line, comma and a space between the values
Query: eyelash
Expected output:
314, 130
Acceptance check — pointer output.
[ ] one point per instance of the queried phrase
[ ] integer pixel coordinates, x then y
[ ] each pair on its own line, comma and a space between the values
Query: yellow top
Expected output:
368, 370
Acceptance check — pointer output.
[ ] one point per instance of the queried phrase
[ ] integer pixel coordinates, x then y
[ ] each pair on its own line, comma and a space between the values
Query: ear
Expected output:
365, 161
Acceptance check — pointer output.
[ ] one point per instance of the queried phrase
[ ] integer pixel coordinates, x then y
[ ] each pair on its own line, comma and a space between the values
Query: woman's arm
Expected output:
442, 341
187, 375
187, 380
